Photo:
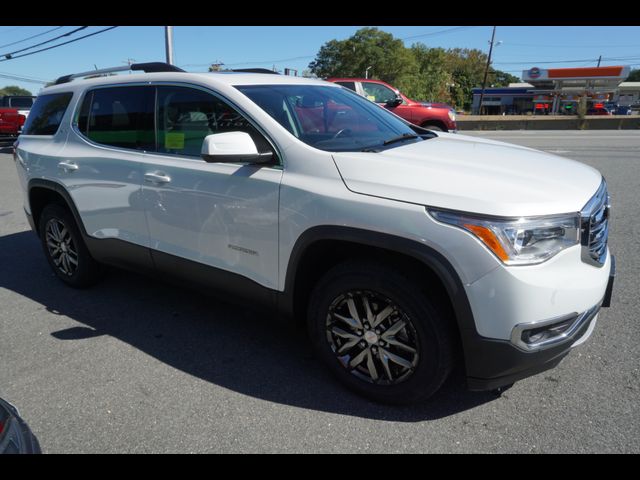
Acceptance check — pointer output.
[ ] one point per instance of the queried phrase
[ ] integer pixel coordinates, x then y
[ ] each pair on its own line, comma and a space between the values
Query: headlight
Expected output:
521, 241
452, 115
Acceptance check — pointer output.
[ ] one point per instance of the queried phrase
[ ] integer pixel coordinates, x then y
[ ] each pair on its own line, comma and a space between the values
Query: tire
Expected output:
65, 249
435, 128
398, 375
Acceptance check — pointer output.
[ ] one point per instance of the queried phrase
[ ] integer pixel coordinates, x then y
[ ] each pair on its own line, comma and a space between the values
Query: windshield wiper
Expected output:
404, 136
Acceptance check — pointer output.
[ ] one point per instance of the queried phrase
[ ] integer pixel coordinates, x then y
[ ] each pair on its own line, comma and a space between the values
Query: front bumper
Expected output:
493, 363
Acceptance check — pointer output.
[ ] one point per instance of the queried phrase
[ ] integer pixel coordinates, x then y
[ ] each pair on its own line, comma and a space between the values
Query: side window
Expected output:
349, 85
21, 102
119, 116
185, 116
46, 114
378, 93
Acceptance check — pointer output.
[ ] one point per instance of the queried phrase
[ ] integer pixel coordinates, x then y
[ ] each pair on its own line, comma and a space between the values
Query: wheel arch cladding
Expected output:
320, 248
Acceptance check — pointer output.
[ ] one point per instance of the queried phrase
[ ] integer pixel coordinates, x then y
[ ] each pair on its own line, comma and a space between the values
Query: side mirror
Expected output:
232, 147
394, 102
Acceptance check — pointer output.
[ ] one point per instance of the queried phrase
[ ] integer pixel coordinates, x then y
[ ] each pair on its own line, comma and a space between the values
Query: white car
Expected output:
405, 251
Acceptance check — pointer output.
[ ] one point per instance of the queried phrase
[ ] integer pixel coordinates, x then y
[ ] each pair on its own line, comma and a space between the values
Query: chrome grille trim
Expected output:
594, 227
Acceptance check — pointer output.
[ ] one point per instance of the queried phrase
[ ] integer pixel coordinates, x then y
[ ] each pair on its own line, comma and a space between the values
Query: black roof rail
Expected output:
149, 67
255, 70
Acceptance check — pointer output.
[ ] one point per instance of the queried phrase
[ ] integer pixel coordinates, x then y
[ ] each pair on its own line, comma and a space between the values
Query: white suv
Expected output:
406, 252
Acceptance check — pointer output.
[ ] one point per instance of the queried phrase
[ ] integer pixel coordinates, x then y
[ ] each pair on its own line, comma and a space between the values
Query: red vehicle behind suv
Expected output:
434, 116
10, 124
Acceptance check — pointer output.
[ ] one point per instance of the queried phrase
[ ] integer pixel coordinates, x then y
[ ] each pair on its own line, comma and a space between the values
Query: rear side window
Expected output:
24, 102
46, 114
349, 85
119, 116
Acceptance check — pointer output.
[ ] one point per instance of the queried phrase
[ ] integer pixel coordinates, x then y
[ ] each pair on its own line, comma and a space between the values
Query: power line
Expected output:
584, 60
568, 46
22, 79
24, 76
10, 30
59, 44
302, 57
260, 62
10, 54
439, 32
29, 38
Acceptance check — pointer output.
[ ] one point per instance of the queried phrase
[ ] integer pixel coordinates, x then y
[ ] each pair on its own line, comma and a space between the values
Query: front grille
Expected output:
594, 227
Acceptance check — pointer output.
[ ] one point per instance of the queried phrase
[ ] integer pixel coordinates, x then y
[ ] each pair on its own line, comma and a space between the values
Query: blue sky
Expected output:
195, 48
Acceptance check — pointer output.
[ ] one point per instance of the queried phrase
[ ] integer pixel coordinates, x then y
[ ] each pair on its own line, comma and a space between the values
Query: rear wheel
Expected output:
379, 334
65, 250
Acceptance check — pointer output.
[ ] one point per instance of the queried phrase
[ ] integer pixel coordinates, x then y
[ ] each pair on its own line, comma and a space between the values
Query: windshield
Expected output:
331, 118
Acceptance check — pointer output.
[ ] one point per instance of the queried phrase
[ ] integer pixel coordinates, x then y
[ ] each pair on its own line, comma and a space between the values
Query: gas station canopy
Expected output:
567, 80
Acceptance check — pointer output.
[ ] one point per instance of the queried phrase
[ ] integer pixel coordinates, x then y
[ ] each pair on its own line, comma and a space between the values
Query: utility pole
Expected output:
599, 60
486, 70
168, 42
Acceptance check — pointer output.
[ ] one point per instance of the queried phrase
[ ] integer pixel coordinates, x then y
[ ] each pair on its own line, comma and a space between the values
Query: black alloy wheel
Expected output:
65, 249
380, 334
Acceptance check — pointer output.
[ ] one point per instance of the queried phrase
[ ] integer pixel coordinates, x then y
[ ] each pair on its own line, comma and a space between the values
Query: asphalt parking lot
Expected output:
138, 366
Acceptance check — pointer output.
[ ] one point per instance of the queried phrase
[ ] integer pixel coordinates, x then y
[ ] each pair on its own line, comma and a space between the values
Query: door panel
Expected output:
381, 95
222, 215
219, 214
105, 178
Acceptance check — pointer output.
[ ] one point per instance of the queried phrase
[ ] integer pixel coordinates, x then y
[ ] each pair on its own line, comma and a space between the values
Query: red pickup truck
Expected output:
10, 124
434, 116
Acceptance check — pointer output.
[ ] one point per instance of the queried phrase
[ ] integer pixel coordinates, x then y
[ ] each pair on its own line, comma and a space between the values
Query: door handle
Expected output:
157, 177
68, 166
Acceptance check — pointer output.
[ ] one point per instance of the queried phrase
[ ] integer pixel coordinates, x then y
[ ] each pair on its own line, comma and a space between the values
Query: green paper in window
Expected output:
174, 141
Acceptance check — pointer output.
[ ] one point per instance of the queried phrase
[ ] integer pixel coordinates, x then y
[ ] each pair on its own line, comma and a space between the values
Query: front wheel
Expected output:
379, 334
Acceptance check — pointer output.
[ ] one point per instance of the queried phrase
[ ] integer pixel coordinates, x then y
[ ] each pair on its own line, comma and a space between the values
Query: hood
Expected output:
465, 173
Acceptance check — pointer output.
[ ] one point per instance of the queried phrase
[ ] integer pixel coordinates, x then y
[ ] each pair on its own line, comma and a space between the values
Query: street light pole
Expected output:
366, 72
168, 42
486, 70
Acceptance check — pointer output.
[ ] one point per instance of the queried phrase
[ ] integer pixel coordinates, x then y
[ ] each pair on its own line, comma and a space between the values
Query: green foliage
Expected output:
420, 72
429, 79
14, 90
634, 76
368, 47
502, 79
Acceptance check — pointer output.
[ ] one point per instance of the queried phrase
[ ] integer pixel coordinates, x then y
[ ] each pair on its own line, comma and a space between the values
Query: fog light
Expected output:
548, 332
532, 337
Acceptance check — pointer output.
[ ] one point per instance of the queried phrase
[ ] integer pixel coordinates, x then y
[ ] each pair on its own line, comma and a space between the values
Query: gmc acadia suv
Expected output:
405, 251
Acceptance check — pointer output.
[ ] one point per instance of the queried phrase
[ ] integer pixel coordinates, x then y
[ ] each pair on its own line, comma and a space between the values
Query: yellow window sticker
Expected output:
174, 141
371, 97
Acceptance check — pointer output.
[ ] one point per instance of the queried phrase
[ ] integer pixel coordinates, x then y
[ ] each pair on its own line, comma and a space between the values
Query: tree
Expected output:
634, 76
499, 78
467, 70
368, 47
429, 80
14, 90
420, 72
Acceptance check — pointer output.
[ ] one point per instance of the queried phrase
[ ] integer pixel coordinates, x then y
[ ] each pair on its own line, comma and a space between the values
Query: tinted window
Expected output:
119, 116
46, 114
187, 115
378, 93
349, 85
329, 118
24, 102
